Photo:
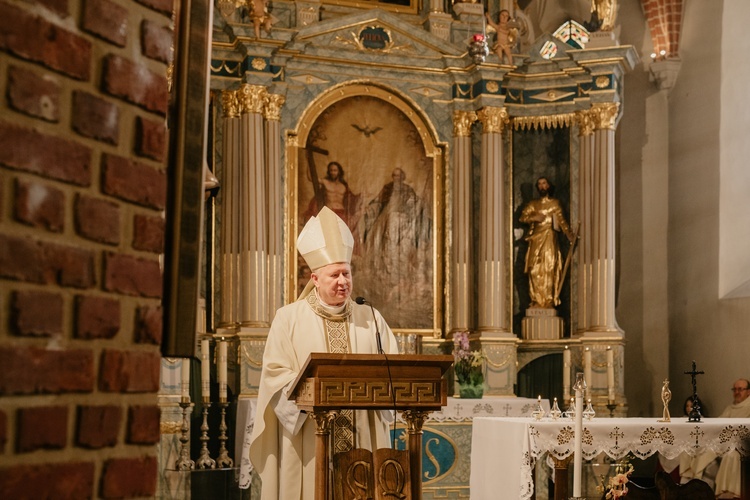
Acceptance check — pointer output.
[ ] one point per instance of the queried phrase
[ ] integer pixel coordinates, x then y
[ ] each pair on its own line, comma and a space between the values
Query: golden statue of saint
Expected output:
543, 260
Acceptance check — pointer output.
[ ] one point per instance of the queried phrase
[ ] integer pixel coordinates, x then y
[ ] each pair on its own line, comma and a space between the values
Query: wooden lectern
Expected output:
330, 382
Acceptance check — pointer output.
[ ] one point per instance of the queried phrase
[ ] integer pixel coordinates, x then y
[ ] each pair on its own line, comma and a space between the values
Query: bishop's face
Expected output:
333, 283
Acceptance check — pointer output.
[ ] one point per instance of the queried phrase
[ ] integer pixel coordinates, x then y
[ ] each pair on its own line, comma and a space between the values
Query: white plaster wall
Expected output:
643, 167
734, 249
702, 327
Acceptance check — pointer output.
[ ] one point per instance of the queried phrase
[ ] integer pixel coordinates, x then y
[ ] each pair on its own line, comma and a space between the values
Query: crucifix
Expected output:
695, 413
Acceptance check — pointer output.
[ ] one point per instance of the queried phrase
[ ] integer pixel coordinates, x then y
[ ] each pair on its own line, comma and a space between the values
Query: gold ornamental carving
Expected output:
493, 119
542, 122
272, 110
415, 420
462, 121
230, 104
605, 115
585, 121
251, 98
323, 421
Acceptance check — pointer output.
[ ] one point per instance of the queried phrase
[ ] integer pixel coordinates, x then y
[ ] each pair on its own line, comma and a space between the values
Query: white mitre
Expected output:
325, 239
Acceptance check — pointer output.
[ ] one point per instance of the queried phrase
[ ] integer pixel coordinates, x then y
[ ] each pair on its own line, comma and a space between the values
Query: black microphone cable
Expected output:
361, 301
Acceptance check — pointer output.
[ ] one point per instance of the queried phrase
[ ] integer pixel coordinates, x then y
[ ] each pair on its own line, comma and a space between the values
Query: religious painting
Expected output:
539, 152
369, 158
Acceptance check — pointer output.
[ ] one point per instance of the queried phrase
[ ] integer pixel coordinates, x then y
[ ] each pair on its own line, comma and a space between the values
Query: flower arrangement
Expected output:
617, 485
468, 364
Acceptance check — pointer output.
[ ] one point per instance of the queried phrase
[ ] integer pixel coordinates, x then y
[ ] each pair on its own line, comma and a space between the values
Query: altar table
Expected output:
504, 450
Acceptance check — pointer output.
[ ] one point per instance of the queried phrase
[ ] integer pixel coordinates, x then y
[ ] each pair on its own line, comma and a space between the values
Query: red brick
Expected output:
143, 425
51, 45
59, 480
98, 426
53, 157
148, 325
96, 317
3, 436
40, 205
34, 94
156, 41
37, 313
107, 20
150, 138
134, 181
57, 6
30, 370
129, 477
129, 371
135, 83
95, 117
21, 259
69, 266
44, 427
148, 233
132, 276
163, 6
97, 219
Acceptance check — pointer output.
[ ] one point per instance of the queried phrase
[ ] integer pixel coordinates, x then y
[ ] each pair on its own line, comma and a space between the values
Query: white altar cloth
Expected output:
503, 450
465, 410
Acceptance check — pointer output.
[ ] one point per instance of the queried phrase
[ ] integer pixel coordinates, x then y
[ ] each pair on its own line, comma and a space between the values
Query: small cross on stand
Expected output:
695, 413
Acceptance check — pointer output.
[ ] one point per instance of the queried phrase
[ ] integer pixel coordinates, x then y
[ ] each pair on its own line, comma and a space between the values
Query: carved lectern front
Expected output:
412, 384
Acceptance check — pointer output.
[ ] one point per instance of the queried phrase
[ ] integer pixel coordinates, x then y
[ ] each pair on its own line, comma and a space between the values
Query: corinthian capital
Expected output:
585, 121
605, 114
229, 104
272, 111
252, 98
493, 119
462, 121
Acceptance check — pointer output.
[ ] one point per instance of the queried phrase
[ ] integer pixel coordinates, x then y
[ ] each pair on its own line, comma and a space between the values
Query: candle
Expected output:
222, 367
610, 375
587, 366
566, 372
579, 387
205, 371
185, 380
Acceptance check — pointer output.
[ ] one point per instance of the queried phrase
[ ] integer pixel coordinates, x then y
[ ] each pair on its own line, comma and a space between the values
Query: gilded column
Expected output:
461, 243
229, 288
253, 212
602, 311
272, 113
585, 120
491, 256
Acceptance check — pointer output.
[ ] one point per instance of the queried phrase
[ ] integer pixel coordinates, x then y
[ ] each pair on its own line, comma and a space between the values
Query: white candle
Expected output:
185, 380
205, 371
222, 368
610, 374
578, 433
566, 372
587, 367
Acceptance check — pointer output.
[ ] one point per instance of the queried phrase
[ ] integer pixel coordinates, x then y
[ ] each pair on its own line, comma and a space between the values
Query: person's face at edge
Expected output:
334, 283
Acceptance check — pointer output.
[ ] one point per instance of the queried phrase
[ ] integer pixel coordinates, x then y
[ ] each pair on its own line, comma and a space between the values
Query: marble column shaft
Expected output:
492, 276
276, 218
462, 216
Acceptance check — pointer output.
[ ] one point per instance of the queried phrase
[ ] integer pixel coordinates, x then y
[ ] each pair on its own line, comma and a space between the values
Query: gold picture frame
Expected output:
391, 195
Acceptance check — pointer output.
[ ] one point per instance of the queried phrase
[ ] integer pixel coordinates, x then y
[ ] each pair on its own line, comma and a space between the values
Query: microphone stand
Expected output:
362, 300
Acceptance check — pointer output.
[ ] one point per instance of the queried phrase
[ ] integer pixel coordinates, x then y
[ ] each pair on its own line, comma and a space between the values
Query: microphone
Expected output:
362, 301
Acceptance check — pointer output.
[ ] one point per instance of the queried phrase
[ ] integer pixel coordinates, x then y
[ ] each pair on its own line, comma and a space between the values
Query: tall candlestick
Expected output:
185, 380
566, 372
610, 374
587, 367
222, 369
579, 387
205, 371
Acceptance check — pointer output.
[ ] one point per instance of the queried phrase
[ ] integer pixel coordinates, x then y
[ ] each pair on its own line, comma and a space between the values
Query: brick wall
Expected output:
82, 191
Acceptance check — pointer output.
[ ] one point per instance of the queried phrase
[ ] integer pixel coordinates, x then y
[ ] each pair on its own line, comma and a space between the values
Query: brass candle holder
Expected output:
184, 462
204, 460
224, 460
